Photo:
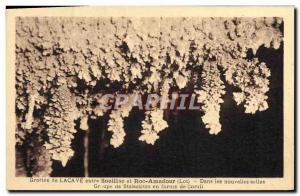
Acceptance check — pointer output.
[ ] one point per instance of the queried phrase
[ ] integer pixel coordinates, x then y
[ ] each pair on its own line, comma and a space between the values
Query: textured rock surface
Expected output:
65, 65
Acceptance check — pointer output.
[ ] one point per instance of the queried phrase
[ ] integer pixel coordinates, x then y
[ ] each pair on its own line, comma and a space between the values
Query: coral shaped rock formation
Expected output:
65, 65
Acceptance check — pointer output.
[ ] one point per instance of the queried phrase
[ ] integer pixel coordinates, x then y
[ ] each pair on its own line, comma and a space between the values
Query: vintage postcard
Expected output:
150, 98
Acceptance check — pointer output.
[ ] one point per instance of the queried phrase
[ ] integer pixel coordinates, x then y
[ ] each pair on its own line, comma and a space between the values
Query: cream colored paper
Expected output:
155, 184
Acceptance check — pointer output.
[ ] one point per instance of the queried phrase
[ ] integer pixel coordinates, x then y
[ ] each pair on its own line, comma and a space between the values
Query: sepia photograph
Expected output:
150, 98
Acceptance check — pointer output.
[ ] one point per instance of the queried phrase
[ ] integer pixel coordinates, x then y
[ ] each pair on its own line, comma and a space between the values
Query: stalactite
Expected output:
251, 77
210, 96
152, 125
84, 126
61, 127
116, 124
29, 115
